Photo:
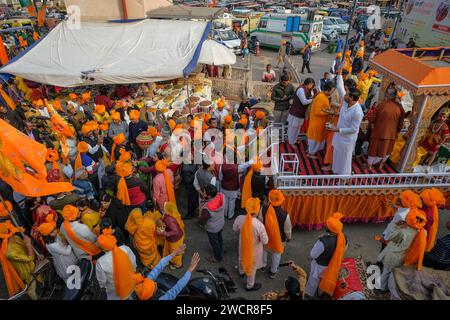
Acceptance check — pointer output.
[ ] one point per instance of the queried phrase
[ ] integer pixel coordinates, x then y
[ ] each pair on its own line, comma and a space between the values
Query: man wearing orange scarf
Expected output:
407, 239
163, 184
115, 270
327, 254
252, 238
255, 183
174, 234
279, 229
80, 237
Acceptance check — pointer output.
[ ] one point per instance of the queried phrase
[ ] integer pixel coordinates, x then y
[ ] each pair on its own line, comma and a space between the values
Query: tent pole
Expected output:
124, 10
187, 91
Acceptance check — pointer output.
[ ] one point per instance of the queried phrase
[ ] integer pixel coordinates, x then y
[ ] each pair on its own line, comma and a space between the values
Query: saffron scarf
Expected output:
161, 167
247, 187
14, 283
252, 207
88, 247
330, 276
416, 219
123, 169
276, 199
123, 270
432, 198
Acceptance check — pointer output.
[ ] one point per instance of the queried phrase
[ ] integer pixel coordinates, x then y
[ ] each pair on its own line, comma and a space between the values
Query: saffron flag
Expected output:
41, 16
22, 164
7, 99
3, 54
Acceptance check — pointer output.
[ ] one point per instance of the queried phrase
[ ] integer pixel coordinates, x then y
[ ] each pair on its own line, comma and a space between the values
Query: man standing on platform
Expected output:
387, 122
347, 129
297, 112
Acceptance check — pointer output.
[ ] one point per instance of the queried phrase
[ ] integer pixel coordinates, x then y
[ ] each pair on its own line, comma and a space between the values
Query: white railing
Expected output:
364, 181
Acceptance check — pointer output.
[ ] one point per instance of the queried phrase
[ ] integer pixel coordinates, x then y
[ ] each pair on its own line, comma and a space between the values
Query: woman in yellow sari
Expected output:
142, 228
174, 234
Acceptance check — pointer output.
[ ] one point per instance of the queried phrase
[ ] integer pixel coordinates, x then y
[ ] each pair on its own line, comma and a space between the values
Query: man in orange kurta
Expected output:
387, 122
317, 132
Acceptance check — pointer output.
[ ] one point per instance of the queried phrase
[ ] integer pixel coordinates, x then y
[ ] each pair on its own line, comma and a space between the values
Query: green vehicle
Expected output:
298, 29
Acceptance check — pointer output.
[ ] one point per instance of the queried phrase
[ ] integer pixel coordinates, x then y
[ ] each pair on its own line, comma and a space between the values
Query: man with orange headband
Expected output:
80, 237
115, 270
135, 128
255, 183
337, 63
117, 126
279, 229
252, 239
203, 177
163, 189
221, 112
327, 254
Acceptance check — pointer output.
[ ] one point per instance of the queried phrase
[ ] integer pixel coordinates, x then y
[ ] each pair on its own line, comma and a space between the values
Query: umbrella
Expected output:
216, 54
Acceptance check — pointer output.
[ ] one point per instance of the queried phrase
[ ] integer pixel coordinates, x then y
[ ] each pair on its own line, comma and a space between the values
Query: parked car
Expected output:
329, 33
228, 38
343, 26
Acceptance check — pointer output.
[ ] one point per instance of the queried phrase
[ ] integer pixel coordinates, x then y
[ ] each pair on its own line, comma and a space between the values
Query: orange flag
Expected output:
22, 164
7, 99
41, 16
32, 10
3, 54
58, 123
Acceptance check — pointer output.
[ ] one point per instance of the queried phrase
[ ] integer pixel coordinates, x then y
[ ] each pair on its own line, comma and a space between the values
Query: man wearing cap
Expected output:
307, 53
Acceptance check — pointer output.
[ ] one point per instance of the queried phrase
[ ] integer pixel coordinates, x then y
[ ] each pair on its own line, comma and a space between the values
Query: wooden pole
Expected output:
124, 10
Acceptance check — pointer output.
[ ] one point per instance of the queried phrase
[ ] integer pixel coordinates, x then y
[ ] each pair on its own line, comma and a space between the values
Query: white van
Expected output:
295, 28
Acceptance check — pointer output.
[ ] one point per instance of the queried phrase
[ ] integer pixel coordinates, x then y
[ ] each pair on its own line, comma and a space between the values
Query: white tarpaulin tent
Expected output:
216, 54
112, 53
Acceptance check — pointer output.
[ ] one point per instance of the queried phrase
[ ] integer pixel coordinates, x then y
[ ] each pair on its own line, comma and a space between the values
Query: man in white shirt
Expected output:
269, 74
346, 133
104, 271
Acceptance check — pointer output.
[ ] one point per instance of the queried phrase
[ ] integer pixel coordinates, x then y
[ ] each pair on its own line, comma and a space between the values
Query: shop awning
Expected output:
112, 53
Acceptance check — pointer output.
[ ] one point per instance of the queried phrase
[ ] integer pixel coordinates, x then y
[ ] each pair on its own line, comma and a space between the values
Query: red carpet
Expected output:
309, 166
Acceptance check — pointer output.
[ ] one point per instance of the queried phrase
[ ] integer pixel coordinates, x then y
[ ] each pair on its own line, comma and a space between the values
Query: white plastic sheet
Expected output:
112, 53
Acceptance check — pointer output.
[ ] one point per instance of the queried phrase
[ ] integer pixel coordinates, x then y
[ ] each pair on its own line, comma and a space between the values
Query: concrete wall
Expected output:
112, 9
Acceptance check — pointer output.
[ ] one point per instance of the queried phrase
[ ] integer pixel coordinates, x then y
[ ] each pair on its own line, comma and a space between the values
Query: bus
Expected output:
298, 29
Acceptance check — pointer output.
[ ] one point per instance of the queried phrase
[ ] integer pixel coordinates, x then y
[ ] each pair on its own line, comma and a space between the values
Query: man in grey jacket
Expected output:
212, 217
282, 93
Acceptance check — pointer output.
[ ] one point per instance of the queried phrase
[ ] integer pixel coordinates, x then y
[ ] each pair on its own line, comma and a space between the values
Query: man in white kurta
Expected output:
104, 271
82, 232
260, 239
346, 133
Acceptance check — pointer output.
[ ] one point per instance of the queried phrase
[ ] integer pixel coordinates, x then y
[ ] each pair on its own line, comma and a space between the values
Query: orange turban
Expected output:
70, 213
348, 53
330, 276
172, 124
153, 132
134, 115
243, 121
339, 55
359, 54
410, 199
115, 116
72, 96
400, 94
100, 109
118, 140
416, 219
3, 211
161, 167
38, 103
361, 43
104, 126
123, 169
252, 207
124, 156
247, 187
82, 148
52, 155
433, 198
227, 119
86, 96
372, 72
123, 270
86, 128
221, 104
48, 226
276, 198
260, 115
145, 288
